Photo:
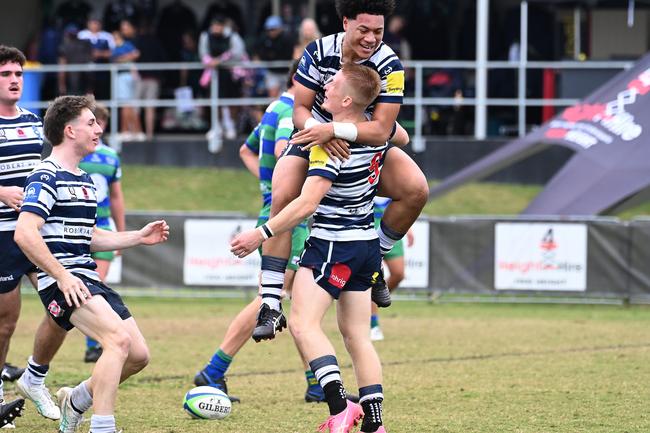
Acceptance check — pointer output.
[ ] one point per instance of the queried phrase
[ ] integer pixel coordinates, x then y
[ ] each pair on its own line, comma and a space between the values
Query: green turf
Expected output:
206, 189
447, 368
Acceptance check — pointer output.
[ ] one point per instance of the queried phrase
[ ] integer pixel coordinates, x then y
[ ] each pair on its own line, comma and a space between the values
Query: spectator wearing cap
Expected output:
74, 51
102, 44
274, 45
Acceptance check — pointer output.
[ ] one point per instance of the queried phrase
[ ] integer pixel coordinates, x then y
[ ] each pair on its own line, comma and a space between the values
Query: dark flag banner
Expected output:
609, 132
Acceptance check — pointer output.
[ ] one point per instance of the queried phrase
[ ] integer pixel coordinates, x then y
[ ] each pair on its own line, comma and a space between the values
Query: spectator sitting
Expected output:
274, 45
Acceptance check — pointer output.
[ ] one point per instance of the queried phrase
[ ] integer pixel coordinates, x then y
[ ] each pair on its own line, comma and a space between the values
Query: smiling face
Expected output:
11, 83
363, 34
85, 131
336, 94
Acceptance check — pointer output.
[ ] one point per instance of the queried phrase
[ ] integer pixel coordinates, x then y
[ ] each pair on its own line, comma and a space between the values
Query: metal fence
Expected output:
416, 99
586, 260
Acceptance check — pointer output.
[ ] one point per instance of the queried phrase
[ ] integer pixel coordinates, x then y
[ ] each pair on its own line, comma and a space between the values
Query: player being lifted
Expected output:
340, 258
360, 42
56, 231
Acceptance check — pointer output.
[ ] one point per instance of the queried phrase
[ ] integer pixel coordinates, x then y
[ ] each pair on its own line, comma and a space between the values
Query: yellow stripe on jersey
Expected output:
395, 83
317, 157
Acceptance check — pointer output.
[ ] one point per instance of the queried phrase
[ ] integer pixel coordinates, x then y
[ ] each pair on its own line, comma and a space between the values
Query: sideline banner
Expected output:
208, 260
540, 256
416, 258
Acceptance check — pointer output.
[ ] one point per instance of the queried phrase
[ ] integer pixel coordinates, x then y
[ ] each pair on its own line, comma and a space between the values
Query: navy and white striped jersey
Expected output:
322, 59
346, 211
68, 203
21, 144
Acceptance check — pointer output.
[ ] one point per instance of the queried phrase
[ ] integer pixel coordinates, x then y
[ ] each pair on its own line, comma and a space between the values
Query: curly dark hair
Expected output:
11, 55
352, 8
62, 111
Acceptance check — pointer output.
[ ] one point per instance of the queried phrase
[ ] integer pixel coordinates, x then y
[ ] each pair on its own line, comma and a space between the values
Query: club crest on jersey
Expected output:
85, 193
32, 193
3, 136
20, 132
73, 194
55, 309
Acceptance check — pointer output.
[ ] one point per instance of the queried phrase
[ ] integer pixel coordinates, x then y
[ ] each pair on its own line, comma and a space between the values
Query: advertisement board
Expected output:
208, 260
540, 256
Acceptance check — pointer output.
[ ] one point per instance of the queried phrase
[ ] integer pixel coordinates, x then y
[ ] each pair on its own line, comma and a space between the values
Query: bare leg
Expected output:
9, 313
403, 181
353, 314
47, 341
288, 177
97, 320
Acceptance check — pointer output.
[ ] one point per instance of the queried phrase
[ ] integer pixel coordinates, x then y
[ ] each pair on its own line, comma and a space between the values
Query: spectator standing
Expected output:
72, 12
74, 51
102, 44
148, 86
307, 33
221, 44
126, 53
275, 44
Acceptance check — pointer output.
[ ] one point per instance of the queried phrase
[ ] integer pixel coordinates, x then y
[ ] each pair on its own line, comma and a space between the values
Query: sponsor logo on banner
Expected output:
589, 124
208, 260
540, 256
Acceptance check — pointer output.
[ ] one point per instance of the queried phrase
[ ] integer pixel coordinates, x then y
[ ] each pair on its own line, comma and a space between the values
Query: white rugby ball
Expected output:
207, 402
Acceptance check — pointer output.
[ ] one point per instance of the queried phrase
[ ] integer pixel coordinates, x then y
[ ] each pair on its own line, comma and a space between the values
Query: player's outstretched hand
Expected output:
246, 242
154, 233
74, 290
12, 196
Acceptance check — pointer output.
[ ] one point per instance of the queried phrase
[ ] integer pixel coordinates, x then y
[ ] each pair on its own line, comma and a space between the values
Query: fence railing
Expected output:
416, 98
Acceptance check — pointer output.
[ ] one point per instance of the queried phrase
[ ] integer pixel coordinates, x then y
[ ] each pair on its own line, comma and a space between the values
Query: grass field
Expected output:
447, 368
208, 189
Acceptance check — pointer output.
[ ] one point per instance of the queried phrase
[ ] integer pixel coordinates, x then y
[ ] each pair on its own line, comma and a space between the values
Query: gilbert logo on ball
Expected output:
207, 402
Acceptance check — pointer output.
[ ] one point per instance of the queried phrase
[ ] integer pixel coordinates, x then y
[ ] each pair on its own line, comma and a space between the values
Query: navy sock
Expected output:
370, 398
326, 370
90, 343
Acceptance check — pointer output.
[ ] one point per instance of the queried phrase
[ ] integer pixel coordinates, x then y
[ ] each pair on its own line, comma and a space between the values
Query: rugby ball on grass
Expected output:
207, 402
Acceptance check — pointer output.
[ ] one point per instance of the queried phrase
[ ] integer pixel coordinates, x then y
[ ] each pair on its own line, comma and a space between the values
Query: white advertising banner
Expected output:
540, 256
208, 260
416, 257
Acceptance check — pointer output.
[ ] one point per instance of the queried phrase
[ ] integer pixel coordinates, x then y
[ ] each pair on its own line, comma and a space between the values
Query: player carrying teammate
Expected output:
340, 258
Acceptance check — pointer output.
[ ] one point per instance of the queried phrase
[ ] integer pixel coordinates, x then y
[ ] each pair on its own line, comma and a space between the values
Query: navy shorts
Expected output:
339, 266
295, 150
58, 308
13, 263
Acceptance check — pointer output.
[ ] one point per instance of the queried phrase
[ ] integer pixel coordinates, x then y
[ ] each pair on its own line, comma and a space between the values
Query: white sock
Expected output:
102, 424
81, 398
2, 393
34, 374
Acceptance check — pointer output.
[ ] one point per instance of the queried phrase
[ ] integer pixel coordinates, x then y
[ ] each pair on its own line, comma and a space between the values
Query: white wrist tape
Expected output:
345, 131
311, 122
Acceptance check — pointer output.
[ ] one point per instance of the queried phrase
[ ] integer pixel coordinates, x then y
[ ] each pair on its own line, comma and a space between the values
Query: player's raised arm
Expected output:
313, 191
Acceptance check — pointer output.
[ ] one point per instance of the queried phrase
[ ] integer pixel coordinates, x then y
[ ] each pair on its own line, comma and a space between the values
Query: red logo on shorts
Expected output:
55, 309
340, 275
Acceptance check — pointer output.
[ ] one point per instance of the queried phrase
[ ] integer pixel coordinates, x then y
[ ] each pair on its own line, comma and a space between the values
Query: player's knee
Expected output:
296, 327
7, 326
418, 191
119, 341
139, 358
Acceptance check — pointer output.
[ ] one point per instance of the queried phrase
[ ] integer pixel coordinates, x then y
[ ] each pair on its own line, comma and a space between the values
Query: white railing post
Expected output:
482, 18
214, 140
523, 60
418, 144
